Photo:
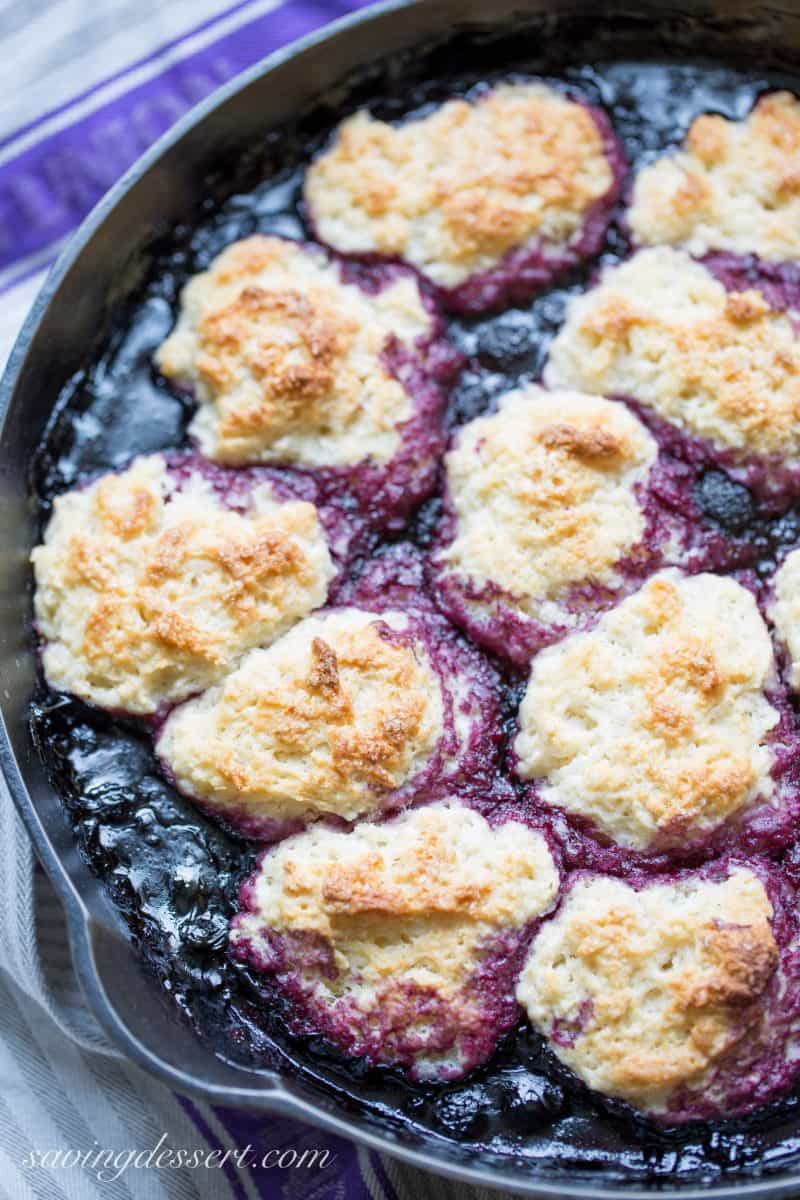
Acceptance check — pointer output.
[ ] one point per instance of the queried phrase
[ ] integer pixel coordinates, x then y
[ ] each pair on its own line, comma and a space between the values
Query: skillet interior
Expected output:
93, 350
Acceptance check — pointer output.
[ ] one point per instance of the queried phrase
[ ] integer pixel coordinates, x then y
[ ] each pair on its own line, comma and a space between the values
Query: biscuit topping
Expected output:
723, 366
400, 914
654, 724
330, 719
785, 611
733, 186
454, 192
643, 991
286, 360
544, 494
146, 594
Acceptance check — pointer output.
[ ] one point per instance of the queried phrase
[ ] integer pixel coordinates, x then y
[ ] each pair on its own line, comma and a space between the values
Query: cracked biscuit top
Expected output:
734, 186
454, 192
543, 496
643, 992
286, 360
723, 366
384, 929
332, 718
654, 725
146, 593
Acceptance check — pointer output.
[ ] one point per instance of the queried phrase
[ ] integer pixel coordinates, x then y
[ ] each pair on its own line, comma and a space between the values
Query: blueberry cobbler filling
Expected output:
424, 682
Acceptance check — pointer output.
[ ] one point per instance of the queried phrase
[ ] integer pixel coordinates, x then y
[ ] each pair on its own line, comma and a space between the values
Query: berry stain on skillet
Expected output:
175, 874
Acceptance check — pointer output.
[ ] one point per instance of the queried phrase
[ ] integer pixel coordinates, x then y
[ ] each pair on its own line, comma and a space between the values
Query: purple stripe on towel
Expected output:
290, 1158
214, 1143
47, 189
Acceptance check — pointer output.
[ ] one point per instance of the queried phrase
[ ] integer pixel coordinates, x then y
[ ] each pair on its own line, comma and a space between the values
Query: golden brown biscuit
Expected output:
723, 366
544, 498
331, 719
643, 991
453, 192
287, 361
382, 931
654, 725
145, 594
734, 185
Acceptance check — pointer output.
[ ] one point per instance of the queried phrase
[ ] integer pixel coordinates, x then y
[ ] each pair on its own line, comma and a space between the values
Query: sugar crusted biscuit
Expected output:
332, 719
723, 366
643, 992
654, 725
146, 592
543, 498
381, 933
733, 186
287, 360
454, 192
556, 472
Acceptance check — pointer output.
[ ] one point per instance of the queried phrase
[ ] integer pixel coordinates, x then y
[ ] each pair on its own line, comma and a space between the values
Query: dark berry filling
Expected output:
412, 1026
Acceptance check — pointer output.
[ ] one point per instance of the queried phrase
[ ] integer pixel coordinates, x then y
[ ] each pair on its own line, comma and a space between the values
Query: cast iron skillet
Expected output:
102, 267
